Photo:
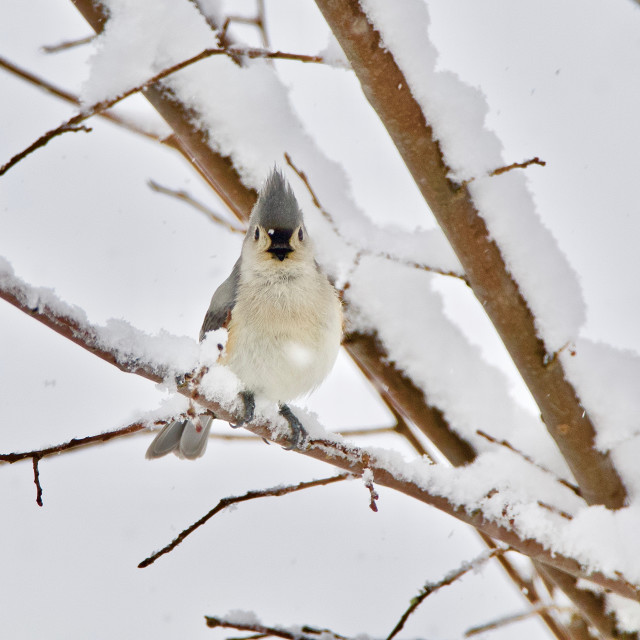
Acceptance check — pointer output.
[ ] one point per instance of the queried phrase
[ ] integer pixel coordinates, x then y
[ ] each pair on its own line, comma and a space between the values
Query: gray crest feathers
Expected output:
277, 207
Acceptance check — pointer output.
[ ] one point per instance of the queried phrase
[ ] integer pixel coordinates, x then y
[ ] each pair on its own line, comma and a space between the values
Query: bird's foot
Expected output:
298, 433
249, 407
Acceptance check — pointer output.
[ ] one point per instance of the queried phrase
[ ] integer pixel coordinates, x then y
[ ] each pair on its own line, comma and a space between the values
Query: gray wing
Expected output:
222, 302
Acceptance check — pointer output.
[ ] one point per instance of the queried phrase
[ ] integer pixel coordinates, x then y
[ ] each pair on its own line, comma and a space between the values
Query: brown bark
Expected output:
387, 90
347, 457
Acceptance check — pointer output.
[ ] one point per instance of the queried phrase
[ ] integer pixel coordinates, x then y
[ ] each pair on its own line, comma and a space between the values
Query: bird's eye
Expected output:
256, 235
300, 234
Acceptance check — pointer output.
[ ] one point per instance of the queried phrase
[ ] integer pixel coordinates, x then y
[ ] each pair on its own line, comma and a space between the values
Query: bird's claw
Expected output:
299, 434
249, 409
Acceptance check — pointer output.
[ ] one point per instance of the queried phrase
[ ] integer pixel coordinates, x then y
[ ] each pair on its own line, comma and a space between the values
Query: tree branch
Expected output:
387, 90
183, 196
45, 85
226, 502
432, 587
308, 633
350, 458
516, 617
363, 250
74, 443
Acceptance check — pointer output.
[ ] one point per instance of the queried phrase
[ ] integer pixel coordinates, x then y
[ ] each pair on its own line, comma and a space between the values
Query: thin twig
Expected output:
225, 502
516, 617
36, 480
307, 629
261, 23
74, 443
183, 196
50, 88
276, 632
361, 250
72, 123
37, 454
530, 460
550, 507
518, 165
450, 578
67, 44
41, 142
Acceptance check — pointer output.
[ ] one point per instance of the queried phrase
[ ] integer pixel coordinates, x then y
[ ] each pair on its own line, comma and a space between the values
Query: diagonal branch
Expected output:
350, 458
431, 587
388, 91
45, 85
227, 502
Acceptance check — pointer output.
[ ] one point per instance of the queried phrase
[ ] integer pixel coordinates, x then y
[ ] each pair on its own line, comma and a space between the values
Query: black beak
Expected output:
280, 252
280, 246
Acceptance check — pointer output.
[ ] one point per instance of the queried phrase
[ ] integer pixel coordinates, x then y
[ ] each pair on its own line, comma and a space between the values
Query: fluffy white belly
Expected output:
280, 346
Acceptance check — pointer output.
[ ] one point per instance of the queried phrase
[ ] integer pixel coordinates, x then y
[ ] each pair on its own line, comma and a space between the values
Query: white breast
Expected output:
284, 334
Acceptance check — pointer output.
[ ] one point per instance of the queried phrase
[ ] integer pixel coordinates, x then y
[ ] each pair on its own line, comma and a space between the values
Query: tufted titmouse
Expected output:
283, 317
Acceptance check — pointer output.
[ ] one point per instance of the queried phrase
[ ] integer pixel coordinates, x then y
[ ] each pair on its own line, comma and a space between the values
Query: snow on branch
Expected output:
467, 493
73, 123
393, 97
247, 621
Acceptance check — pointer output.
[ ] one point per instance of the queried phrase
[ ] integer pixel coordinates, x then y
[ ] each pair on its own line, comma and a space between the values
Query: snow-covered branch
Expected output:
392, 96
457, 492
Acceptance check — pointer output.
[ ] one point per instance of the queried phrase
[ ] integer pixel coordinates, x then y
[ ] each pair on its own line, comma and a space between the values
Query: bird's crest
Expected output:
277, 207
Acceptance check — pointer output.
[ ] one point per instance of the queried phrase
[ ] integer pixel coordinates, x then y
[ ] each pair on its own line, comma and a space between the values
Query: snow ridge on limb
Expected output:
389, 93
528, 527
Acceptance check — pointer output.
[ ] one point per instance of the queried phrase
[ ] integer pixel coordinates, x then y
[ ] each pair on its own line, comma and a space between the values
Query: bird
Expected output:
282, 314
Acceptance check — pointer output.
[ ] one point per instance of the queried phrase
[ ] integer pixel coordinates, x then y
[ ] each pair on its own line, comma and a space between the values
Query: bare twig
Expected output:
263, 631
50, 88
42, 141
361, 250
516, 617
261, 23
308, 633
560, 512
450, 578
183, 196
225, 502
307, 629
518, 165
36, 480
529, 459
67, 44
37, 454
74, 443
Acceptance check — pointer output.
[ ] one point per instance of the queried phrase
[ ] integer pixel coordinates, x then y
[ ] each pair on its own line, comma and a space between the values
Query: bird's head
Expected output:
276, 237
